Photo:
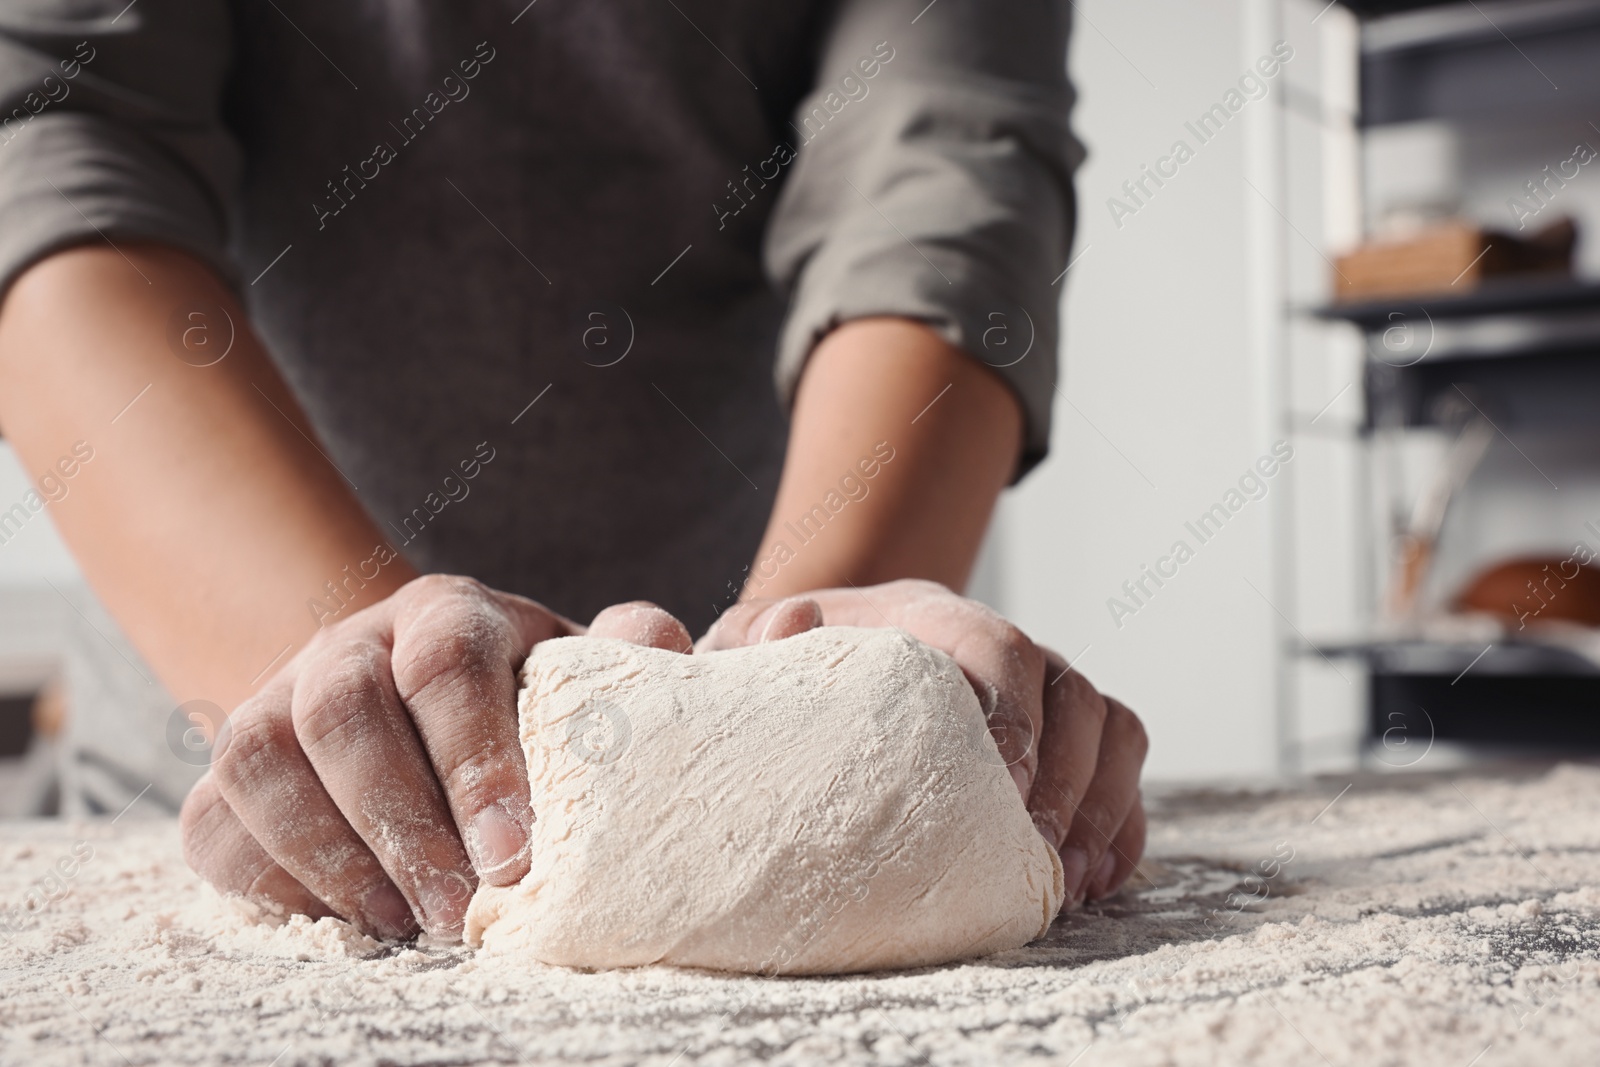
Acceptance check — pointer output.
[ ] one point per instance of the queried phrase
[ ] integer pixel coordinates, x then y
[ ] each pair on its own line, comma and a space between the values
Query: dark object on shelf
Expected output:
1535, 590
1534, 711
16, 724
1455, 254
1514, 695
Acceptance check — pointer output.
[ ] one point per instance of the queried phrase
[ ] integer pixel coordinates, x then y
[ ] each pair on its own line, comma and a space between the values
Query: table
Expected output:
1447, 919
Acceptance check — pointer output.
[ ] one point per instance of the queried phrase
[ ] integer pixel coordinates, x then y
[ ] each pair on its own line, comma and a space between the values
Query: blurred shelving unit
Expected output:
1524, 352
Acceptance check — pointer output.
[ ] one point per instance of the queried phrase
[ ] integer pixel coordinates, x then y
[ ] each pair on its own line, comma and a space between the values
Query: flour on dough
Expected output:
831, 802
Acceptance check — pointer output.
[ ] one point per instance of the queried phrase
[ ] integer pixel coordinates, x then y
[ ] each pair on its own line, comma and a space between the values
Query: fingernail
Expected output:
1100, 884
1074, 866
443, 897
772, 616
387, 912
495, 839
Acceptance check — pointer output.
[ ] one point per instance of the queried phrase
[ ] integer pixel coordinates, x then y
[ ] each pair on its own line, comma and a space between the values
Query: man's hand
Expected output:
378, 776
1074, 754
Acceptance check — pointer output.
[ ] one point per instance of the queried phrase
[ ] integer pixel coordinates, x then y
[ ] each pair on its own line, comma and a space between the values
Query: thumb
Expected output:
755, 621
642, 623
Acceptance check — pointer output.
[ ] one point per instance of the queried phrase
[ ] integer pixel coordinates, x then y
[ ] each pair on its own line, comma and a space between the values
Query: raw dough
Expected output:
831, 802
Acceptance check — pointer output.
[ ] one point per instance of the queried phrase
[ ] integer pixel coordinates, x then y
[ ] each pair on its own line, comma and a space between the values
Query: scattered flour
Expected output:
1418, 920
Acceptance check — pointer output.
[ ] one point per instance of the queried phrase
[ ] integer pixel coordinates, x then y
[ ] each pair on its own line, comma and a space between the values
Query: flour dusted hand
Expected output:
829, 802
1074, 752
377, 776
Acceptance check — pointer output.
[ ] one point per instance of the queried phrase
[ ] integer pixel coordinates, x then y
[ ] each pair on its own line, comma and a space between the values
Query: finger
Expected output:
219, 849
788, 617
1069, 749
730, 627
642, 623
755, 621
357, 735
457, 650
270, 786
1122, 858
1112, 793
1004, 668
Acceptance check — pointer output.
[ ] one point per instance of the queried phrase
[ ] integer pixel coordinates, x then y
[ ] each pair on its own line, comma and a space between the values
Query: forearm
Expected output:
882, 384
207, 519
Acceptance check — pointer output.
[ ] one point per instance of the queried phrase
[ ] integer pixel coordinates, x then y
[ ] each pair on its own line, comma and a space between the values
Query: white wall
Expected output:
34, 619
1174, 384
35, 554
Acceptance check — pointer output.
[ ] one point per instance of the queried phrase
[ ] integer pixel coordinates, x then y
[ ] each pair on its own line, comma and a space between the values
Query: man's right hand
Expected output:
379, 776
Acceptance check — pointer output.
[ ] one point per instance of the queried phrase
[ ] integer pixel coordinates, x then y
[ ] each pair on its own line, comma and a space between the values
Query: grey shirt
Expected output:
641, 214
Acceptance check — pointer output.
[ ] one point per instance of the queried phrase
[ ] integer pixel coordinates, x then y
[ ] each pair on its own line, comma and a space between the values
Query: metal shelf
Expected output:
1451, 61
1428, 657
1526, 350
1532, 344
1508, 296
1531, 711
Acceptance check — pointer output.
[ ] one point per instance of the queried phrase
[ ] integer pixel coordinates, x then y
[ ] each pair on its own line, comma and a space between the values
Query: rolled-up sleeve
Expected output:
111, 127
933, 180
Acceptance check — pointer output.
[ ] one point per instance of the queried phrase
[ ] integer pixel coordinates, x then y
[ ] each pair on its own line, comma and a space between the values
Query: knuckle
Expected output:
1129, 729
1064, 800
1010, 634
1095, 817
338, 692
1010, 637
259, 739
920, 587
1141, 739
440, 650
1134, 832
199, 819
1079, 696
1030, 655
431, 587
426, 585
1090, 704
262, 881
481, 779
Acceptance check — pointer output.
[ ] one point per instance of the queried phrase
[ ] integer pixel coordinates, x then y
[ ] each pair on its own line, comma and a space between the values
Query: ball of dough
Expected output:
827, 803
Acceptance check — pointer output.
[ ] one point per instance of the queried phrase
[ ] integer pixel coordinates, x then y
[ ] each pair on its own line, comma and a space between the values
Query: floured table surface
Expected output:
1426, 920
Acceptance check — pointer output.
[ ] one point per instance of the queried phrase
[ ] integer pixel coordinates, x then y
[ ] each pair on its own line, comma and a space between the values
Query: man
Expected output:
350, 298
